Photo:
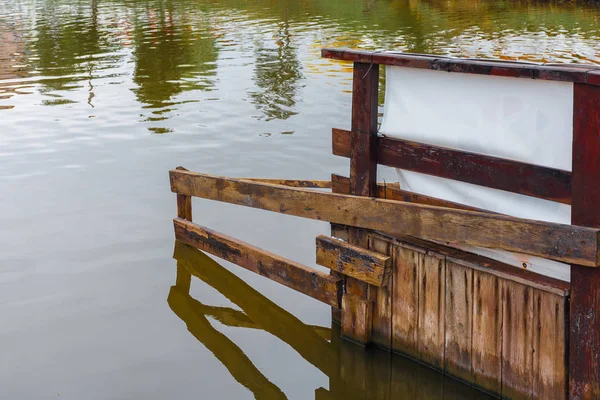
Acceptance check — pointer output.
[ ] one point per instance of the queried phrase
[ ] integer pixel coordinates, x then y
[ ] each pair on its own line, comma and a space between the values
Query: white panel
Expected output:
522, 119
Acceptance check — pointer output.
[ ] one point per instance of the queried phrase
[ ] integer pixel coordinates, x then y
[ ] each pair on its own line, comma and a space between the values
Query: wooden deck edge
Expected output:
482, 263
316, 284
357, 262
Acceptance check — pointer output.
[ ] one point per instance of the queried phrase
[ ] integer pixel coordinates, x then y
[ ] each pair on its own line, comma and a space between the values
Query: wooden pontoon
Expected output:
400, 276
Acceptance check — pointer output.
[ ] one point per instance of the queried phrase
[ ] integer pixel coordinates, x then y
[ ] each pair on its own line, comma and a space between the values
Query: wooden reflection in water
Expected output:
354, 373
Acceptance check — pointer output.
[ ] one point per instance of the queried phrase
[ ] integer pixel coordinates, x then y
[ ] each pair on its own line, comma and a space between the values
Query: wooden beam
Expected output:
584, 355
364, 265
309, 184
271, 318
493, 172
341, 184
313, 283
564, 72
566, 243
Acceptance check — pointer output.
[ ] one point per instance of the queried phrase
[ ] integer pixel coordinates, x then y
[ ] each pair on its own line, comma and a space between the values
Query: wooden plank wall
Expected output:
504, 336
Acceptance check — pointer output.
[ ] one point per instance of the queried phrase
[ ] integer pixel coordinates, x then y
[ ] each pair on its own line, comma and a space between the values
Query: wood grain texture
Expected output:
382, 310
392, 191
357, 262
514, 69
560, 242
478, 169
357, 319
432, 288
363, 149
459, 321
184, 206
363, 153
309, 184
584, 355
487, 331
550, 344
262, 311
488, 265
313, 283
517, 341
407, 264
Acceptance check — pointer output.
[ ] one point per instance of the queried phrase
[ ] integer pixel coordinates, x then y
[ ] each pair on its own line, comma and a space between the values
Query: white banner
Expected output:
521, 119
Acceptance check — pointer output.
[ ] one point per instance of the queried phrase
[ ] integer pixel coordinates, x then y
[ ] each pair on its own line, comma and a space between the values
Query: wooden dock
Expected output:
396, 278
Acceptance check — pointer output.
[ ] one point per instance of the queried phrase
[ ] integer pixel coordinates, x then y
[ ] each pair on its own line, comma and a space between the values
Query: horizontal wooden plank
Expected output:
566, 243
484, 264
478, 169
581, 73
316, 284
310, 184
266, 314
362, 264
341, 184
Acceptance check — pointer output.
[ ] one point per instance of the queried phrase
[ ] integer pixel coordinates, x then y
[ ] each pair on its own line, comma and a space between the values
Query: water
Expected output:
99, 99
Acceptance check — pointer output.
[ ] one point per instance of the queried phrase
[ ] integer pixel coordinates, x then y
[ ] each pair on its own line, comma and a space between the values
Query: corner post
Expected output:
584, 324
363, 182
184, 203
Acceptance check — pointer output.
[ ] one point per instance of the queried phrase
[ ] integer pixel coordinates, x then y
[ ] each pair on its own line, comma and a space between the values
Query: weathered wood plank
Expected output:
357, 319
478, 169
357, 262
459, 321
517, 341
432, 281
560, 242
405, 306
487, 331
309, 184
584, 359
550, 343
382, 310
313, 283
392, 191
489, 265
266, 314
567, 72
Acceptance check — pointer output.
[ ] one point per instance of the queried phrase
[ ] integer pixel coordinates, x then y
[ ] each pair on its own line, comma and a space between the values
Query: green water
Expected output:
99, 99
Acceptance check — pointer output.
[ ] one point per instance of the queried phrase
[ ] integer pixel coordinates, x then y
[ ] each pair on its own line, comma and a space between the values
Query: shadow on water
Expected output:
354, 373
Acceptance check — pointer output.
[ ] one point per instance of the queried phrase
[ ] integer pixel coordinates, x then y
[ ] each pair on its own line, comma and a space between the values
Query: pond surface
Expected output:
99, 99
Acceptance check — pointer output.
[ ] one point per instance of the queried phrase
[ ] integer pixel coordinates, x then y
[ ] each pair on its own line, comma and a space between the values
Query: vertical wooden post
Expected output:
584, 354
363, 171
184, 203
